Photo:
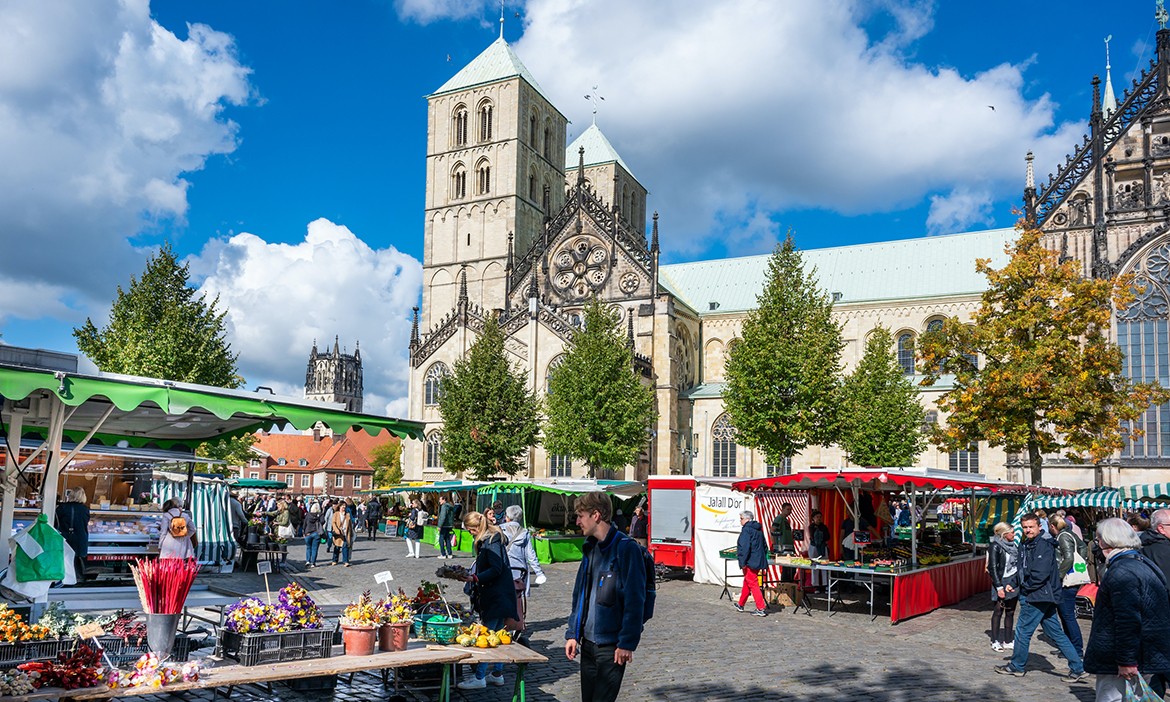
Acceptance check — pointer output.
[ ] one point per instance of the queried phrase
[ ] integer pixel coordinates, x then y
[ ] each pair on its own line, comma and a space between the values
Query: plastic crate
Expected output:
254, 649
316, 683
126, 651
23, 651
728, 553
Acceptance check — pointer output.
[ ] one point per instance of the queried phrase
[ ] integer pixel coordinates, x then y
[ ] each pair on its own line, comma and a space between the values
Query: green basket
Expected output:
729, 553
437, 628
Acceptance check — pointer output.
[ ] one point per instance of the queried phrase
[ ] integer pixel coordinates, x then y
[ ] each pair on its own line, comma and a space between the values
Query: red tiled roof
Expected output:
329, 452
293, 447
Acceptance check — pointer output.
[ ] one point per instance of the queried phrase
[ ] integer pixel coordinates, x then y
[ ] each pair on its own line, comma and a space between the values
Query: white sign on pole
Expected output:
384, 578
264, 567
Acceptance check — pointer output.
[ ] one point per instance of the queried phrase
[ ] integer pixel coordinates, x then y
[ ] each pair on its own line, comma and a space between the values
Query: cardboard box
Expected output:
785, 594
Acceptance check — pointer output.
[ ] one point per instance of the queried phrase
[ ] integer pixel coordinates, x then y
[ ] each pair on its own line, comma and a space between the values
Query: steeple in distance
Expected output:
1109, 100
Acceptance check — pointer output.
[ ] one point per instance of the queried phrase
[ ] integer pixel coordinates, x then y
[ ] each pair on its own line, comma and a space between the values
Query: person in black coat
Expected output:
1002, 558
73, 523
1131, 619
752, 552
1155, 543
494, 591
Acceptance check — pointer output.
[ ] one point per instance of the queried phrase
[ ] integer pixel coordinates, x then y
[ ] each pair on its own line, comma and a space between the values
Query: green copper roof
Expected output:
923, 267
497, 62
598, 150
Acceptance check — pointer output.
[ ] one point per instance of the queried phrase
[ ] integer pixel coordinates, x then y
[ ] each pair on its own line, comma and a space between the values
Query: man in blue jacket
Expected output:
752, 552
1040, 589
609, 595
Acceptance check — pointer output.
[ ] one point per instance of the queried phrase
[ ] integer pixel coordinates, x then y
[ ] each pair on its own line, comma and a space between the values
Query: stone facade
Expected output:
335, 376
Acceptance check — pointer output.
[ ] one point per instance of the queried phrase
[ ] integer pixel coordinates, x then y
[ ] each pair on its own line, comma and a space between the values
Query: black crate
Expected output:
23, 651
123, 652
316, 683
254, 649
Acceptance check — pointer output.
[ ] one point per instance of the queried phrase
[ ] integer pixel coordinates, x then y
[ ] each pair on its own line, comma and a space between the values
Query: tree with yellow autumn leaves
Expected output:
1036, 372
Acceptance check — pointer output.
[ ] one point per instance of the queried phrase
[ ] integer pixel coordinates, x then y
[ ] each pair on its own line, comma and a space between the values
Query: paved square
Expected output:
698, 648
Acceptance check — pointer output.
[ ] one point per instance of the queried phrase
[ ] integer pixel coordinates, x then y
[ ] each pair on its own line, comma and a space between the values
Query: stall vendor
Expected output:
782, 531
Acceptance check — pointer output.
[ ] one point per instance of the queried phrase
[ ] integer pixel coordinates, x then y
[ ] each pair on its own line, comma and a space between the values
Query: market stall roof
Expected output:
1103, 498
127, 453
168, 414
880, 479
439, 486
1148, 491
258, 483
621, 488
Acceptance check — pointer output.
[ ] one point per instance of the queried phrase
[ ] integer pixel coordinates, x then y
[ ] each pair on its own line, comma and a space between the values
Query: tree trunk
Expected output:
1035, 462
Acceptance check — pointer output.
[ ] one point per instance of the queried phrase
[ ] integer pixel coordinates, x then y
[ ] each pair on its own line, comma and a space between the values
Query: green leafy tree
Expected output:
235, 453
783, 376
881, 418
598, 409
490, 416
386, 460
158, 328
1036, 372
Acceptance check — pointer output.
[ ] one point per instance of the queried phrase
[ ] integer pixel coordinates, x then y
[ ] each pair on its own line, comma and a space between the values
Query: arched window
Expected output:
434, 459
433, 384
458, 182
906, 353
544, 198
560, 466
552, 366
723, 448
459, 127
548, 143
483, 178
1144, 338
532, 131
532, 187
934, 325
485, 121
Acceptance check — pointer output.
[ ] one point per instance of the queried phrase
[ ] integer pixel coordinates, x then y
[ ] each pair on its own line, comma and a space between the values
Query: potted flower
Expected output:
255, 528
281, 544
396, 615
359, 626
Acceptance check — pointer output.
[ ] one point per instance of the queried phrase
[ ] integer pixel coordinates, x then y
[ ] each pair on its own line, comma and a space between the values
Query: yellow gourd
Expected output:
482, 642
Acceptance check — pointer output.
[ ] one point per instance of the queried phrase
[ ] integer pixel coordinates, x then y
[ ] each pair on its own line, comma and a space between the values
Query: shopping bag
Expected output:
1139, 691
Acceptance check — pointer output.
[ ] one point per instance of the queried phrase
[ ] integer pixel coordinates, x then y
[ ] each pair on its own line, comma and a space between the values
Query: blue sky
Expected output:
279, 145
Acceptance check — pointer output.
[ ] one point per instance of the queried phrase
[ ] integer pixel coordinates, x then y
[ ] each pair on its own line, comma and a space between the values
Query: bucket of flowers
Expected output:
289, 630
359, 626
396, 617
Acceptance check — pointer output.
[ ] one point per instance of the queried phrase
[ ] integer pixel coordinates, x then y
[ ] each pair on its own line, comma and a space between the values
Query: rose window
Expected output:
580, 268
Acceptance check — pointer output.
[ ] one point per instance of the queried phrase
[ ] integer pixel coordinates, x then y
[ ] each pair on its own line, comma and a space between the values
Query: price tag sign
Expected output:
264, 567
383, 577
90, 631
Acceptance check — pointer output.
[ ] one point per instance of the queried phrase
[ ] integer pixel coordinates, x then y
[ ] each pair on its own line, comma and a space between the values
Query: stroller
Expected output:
1086, 599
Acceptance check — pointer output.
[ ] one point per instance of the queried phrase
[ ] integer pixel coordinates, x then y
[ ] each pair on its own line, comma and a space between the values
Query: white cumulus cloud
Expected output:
959, 211
281, 297
102, 111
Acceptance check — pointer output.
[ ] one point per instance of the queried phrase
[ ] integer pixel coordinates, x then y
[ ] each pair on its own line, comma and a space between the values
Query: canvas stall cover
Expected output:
717, 525
209, 509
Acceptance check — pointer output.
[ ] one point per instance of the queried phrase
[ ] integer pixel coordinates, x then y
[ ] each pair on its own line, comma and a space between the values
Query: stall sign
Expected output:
717, 508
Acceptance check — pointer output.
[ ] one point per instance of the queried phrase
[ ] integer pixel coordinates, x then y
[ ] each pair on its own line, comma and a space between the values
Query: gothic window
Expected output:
548, 143
934, 325
544, 203
433, 384
485, 121
532, 187
434, 458
906, 353
532, 131
552, 366
560, 466
723, 448
966, 460
458, 182
784, 467
1142, 334
483, 178
460, 125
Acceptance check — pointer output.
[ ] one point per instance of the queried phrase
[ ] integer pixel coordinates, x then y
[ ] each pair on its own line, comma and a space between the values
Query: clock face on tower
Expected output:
580, 268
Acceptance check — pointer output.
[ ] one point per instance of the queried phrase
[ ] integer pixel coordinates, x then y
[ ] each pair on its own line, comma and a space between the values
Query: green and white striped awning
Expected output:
1149, 491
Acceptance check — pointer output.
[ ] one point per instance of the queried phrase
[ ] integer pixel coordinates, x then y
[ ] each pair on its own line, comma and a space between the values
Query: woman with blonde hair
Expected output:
493, 593
1002, 566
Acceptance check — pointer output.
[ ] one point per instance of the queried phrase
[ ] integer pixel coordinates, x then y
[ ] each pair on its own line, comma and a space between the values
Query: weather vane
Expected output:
1161, 15
596, 99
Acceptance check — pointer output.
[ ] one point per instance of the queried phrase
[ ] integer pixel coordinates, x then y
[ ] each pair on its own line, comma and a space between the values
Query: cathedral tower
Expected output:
495, 145
335, 377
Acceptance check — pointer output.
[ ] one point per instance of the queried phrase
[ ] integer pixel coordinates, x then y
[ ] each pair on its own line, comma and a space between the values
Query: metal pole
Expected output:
913, 528
11, 459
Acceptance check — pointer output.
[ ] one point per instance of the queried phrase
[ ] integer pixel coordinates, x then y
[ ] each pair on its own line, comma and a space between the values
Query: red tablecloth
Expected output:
938, 586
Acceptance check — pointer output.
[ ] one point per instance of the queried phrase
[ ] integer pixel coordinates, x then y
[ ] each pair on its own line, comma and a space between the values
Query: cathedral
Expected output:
335, 376
520, 225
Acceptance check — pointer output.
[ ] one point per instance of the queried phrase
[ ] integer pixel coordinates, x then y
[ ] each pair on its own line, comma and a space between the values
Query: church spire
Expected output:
1029, 192
1110, 100
336, 346
580, 166
654, 237
414, 328
463, 287
630, 328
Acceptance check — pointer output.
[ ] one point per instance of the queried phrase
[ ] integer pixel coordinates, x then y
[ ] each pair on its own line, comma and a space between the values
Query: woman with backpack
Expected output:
414, 528
494, 597
177, 539
1068, 548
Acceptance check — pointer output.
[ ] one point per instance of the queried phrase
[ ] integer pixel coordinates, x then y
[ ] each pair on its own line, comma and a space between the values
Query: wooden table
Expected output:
512, 653
228, 674
88, 599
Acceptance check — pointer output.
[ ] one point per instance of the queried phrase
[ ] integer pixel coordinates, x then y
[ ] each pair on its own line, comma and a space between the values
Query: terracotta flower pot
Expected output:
359, 640
393, 637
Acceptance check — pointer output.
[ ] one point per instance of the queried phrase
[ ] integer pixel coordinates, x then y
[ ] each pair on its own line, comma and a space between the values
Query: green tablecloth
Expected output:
463, 540
558, 549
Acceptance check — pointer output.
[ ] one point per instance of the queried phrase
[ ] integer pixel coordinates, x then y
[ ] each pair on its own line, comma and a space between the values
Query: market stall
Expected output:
52, 407
548, 510
922, 577
1104, 498
459, 492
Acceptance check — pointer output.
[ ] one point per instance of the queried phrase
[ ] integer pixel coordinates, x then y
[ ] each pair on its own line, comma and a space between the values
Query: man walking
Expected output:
609, 596
752, 553
1040, 590
373, 518
446, 524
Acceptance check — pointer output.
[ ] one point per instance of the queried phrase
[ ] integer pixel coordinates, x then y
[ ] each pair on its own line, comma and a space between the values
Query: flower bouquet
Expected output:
290, 630
396, 613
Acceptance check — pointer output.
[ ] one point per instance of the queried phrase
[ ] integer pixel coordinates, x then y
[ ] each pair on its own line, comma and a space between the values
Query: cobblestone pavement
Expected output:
698, 648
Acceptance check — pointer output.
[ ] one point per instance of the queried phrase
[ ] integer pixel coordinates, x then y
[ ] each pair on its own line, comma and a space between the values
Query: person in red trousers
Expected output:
752, 551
